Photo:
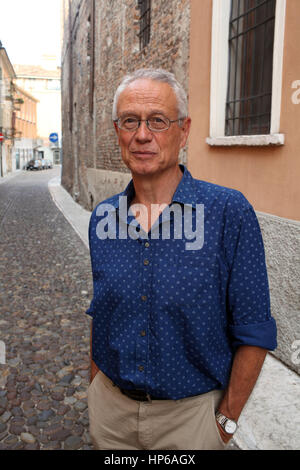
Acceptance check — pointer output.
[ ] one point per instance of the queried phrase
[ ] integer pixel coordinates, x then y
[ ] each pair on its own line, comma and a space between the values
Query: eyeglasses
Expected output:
154, 123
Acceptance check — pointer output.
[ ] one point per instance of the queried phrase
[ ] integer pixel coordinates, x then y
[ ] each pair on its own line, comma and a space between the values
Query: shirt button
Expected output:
141, 368
143, 333
144, 297
147, 244
146, 262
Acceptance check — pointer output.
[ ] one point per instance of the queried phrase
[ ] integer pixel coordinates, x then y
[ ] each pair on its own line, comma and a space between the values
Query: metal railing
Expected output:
251, 42
145, 22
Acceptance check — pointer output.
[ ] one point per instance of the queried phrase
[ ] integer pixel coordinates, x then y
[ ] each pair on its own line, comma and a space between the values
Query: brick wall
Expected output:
101, 55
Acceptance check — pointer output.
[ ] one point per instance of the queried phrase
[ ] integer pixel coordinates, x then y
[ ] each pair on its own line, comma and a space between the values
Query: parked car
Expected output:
30, 165
38, 165
34, 165
48, 164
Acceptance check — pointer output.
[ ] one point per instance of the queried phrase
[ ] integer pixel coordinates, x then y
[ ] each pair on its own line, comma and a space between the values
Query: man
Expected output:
180, 329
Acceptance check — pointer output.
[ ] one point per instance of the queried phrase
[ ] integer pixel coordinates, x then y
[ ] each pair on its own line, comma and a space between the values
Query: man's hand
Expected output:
94, 368
224, 436
246, 367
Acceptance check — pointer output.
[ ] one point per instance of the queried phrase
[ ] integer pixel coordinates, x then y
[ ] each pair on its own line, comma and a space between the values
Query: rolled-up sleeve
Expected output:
261, 334
250, 320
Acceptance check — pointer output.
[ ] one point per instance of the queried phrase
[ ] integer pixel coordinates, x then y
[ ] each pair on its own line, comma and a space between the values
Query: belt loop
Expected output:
149, 398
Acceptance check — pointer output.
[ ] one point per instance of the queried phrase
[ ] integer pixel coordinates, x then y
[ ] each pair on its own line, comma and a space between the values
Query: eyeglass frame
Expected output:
116, 121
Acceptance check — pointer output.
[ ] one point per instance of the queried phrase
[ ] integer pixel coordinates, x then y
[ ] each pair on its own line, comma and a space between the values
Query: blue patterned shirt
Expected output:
167, 319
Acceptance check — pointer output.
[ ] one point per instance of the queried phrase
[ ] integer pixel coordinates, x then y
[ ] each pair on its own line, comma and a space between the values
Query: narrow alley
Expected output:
45, 288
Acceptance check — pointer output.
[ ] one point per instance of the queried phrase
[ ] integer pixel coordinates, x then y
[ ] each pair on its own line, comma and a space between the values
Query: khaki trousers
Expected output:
118, 422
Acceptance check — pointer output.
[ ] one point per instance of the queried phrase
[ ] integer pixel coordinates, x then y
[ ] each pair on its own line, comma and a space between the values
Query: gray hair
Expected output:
158, 75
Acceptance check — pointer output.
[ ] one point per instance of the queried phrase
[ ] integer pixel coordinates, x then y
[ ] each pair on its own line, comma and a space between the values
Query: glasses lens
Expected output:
128, 123
158, 123
155, 123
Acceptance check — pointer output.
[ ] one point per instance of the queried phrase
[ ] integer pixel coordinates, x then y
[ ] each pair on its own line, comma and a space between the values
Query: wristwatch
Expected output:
227, 424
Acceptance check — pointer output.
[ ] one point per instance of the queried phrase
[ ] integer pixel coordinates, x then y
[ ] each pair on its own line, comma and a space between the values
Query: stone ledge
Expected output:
246, 140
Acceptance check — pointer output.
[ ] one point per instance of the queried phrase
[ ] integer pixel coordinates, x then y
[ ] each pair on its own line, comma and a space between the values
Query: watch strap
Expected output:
222, 419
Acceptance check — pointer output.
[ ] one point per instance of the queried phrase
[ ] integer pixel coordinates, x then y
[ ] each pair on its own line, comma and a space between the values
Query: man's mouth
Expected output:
143, 153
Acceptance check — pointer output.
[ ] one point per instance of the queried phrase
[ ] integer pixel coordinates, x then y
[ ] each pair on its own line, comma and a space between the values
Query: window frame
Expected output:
218, 86
145, 23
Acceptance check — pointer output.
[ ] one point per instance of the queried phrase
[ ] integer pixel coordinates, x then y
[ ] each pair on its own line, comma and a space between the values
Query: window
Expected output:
145, 20
251, 40
247, 49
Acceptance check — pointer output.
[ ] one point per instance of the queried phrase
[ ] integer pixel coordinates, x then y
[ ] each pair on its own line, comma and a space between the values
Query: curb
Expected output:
77, 217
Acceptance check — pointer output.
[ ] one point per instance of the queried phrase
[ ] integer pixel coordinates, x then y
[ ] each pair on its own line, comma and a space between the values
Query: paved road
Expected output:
45, 288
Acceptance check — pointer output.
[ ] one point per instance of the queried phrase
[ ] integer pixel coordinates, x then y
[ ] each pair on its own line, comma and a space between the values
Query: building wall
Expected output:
6, 110
267, 176
92, 166
26, 116
48, 95
5, 93
26, 130
23, 152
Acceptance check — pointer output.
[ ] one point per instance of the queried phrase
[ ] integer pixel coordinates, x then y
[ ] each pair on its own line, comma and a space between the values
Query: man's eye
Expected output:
158, 122
129, 120
129, 123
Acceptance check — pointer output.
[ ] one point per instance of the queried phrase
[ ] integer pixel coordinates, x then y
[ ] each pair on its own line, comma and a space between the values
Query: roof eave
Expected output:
8, 62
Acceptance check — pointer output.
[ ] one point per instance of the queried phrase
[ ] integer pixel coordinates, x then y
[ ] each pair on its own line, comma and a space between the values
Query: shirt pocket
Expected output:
195, 263
197, 271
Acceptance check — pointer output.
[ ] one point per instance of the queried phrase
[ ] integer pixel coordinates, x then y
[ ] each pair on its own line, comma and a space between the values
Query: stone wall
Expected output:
281, 241
103, 45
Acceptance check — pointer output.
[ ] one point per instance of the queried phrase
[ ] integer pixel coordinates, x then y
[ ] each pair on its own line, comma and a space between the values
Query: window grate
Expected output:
251, 42
145, 22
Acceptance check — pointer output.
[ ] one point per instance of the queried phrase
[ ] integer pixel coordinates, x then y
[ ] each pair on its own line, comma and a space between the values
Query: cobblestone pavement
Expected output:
45, 288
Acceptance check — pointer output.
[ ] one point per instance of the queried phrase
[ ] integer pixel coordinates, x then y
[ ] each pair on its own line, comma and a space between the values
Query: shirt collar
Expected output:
184, 194
185, 191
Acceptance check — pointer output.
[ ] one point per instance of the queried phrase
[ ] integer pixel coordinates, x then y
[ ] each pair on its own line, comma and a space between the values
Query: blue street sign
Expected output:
53, 137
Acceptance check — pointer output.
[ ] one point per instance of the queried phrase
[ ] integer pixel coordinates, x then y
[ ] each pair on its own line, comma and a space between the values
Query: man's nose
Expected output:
143, 133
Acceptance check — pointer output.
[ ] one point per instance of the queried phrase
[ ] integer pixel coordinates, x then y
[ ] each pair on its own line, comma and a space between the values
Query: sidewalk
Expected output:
73, 212
9, 176
271, 417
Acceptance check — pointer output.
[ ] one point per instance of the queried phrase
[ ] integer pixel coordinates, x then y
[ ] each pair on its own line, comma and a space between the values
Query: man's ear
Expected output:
117, 131
185, 130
